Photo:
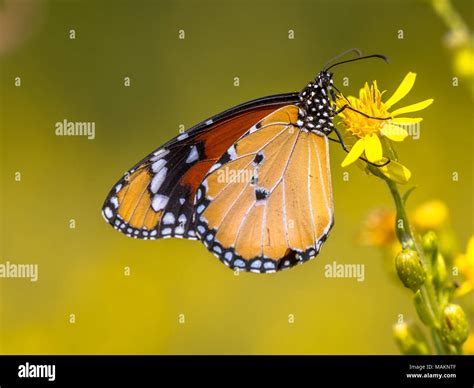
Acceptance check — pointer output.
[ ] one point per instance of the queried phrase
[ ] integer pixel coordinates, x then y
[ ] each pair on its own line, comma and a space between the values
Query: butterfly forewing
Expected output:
155, 199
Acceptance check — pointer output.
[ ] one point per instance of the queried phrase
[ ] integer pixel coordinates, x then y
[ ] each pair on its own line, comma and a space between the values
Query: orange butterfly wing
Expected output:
155, 199
267, 203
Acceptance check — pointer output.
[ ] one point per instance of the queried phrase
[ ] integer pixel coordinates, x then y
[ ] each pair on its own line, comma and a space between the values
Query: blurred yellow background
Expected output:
173, 82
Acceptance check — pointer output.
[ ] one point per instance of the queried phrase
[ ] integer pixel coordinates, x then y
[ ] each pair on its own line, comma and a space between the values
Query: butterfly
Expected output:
252, 183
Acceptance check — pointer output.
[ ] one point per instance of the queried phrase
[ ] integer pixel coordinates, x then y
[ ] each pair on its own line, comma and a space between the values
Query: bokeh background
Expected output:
173, 82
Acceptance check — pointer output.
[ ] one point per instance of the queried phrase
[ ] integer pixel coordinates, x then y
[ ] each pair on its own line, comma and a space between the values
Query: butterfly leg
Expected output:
347, 106
334, 97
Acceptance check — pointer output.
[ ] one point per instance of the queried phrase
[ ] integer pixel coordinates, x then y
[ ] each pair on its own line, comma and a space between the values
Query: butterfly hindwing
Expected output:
155, 199
267, 204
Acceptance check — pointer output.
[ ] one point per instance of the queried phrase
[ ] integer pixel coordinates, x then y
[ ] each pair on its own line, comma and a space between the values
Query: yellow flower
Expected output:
430, 215
464, 62
368, 131
378, 228
469, 344
465, 264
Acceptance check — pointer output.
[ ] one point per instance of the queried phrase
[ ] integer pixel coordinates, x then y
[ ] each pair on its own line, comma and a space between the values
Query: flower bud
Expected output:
439, 270
430, 242
454, 326
410, 269
410, 339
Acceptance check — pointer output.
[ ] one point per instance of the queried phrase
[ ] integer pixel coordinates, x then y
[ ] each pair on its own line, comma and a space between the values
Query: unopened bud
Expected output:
439, 270
410, 269
410, 339
454, 326
430, 242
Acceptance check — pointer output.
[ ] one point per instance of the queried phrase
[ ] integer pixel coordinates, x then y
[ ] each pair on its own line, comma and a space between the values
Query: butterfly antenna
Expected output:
352, 50
358, 59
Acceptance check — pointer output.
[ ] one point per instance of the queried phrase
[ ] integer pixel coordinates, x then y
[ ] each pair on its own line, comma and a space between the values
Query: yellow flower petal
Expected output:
402, 90
396, 172
412, 108
469, 344
354, 153
464, 289
430, 215
394, 132
373, 148
406, 120
464, 61
466, 266
470, 251
363, 91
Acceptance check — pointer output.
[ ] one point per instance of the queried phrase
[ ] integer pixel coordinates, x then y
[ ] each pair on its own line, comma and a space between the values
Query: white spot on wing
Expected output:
108, 212
256, 264
232, 153
214, 167
193, 155
168, 218
183, 136
155, 167
157, 180
114, 201
200, 208
253, 129
159, 154
166, 231
159, 202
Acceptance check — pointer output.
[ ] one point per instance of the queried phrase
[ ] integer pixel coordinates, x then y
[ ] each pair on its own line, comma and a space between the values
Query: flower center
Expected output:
370, 103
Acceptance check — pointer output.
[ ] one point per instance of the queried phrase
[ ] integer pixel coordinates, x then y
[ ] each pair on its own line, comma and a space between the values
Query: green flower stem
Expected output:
404, 232
408, 240
437, 342
450, 16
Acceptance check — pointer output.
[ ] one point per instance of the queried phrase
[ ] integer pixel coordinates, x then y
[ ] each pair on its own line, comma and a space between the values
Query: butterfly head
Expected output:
324, 79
